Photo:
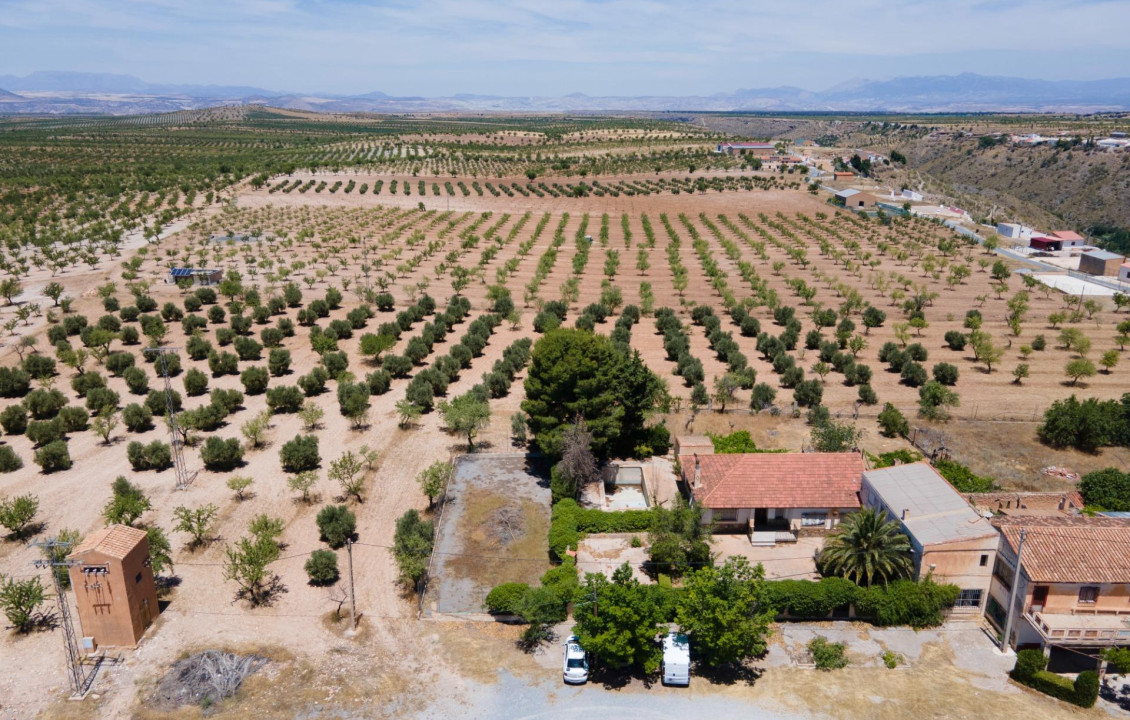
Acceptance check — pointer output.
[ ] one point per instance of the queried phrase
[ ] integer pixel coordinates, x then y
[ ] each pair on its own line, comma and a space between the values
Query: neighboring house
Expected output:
909, 194
852, 198
950, 539
773, 496
843, 175
1100, 262
1124, 272
747, 148
200, 276
1074, 588
1012, 231
1069, 239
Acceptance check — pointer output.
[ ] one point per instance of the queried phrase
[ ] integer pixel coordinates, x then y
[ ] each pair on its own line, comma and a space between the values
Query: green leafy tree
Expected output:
722, 610
349, 472
17, 514
302, 482
160, 551
321, 568
867, 547
578, 373
892, 422
197, 522
336, 524
412, 547
617, 620
466, 415
245, 563
1108, 489
1079, 368
20, 601
434, 480
127, 504
831, 436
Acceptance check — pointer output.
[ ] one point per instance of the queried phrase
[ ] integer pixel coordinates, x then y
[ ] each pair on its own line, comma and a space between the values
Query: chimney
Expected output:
697, 466
905, 513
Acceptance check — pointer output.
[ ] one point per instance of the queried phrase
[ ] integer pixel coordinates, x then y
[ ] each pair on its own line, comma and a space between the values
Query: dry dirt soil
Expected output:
396, 656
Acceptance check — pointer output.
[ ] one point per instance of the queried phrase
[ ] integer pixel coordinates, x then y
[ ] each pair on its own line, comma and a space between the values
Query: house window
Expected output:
813, 519
1088, 594
728, 515
984, 560
969, 599
138, 578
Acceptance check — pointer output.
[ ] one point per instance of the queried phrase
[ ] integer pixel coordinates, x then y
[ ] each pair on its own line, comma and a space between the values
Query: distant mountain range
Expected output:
74, 92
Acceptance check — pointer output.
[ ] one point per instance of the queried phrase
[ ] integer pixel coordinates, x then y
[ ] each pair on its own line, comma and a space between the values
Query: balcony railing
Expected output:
1082, 626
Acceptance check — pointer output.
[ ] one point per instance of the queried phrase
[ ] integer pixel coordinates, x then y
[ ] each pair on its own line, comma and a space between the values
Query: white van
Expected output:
676, 667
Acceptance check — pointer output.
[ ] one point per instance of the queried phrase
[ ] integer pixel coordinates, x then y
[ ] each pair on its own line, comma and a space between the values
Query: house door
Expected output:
1039, 598
760, 517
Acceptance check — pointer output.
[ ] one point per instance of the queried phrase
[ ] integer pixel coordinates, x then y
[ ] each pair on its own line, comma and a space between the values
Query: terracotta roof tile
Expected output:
1071, 549
776, 480
115, 541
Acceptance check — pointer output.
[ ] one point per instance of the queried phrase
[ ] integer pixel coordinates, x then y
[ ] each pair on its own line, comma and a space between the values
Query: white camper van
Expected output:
676, 667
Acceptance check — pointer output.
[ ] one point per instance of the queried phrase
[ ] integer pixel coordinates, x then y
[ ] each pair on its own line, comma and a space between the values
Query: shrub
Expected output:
154, 456
254, 380
98, 398
506, 599
278, 362
322, 567
14, 382
195, 383
221, 455
284, 399
9, 460
53, 456
136, 380
905, 602
14, 419
44, 404
82, 384
137, 418
314, 382
1108, 489
945, 373
337, 524
43, 432
118, 362
892, 422
955, 340
963, 479
223, 363
300, 454
1030, 670
74, 419
827, 655
42, 366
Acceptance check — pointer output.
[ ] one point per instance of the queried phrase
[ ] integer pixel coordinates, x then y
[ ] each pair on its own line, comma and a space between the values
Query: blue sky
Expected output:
597, 47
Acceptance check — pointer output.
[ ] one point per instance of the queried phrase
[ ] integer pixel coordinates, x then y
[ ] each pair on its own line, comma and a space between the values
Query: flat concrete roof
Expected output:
935, 511
1103, 255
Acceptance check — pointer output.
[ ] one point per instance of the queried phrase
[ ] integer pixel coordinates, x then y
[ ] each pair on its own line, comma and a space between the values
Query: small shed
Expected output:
115, 592
1100, 262
199, 276
1047, 244
1124, 272
693, 445
852, 198
843, 175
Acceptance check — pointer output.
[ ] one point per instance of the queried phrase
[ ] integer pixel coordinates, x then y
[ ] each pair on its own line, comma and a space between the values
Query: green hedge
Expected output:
963, 478
505, 599
903, 602
1030, 670
569, 522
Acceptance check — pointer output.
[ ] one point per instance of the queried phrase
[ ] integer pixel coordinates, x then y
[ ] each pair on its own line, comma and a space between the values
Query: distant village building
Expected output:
199, 276
1124, 272
950, 540
1101, 262
1012, 231
1069, 239
852, 198
761, 149
114, 588
909, 194
843, 175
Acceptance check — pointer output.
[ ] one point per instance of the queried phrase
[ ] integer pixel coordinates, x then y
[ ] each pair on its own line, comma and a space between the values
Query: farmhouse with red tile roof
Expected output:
788, 492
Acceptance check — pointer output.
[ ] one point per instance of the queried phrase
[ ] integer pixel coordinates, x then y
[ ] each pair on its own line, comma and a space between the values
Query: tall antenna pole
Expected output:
79, 680
171, 418
1012, 591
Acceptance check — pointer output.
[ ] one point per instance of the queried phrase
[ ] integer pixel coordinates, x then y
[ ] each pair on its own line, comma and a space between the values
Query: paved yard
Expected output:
784, 561
605, 553
492, 530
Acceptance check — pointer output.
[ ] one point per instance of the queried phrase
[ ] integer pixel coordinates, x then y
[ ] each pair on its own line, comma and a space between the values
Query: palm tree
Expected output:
867, 547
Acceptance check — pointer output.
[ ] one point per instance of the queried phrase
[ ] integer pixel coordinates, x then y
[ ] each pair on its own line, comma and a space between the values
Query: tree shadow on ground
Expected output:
744, 674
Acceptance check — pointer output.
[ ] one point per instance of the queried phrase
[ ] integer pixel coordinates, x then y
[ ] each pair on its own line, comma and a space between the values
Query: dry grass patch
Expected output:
495, 529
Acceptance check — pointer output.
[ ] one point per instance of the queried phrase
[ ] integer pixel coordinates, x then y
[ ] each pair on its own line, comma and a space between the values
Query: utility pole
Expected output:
79, 681
1012, 592
171, 417
352, 596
